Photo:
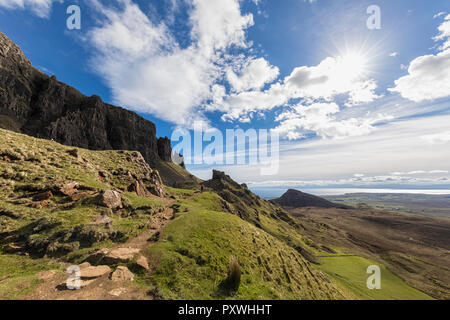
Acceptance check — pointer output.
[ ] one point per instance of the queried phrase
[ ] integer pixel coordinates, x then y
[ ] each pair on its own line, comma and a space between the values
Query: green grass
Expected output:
140, 202
350, 274
193, 254
37, 165
19, 274
180, 192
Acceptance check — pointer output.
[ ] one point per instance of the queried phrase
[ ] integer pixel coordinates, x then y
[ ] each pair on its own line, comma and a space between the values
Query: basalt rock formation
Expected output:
41, 106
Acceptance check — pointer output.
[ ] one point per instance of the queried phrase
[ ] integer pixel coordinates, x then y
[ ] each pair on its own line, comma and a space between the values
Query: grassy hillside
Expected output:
51, 210
190, 257
414, 248
349, 273
199, 244
62, 223
176, 176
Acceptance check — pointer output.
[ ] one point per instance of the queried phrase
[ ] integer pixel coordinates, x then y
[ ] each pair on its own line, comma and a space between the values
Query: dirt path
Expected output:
103, 288
158, 222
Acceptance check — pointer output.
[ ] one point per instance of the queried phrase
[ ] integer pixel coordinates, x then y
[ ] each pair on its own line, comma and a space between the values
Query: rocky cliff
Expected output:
41, 106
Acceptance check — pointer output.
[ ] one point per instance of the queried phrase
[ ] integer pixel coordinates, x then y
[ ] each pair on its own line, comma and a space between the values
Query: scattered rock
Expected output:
122, 274
120, 255
143, 263
110, 199
84, 265
46, 275
94, 272
39, 205
43, 196
117, 292
69, 189
139, 188
12, 248
79, 195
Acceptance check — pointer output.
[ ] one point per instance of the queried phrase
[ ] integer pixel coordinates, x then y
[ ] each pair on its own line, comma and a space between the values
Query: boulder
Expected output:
110, 199
120, 255
94, 272
139, 188
156, 186
97, 255
122, 274
143, 263
84, 265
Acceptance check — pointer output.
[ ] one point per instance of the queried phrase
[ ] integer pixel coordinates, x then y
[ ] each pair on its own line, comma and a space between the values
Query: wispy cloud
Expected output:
41, 8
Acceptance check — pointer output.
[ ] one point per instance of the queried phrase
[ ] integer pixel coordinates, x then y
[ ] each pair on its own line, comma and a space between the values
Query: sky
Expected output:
358, 99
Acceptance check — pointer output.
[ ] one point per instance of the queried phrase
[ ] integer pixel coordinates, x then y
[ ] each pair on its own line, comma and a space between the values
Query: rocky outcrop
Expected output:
122, 274
43, 107
239, 200
110, 199
164, 149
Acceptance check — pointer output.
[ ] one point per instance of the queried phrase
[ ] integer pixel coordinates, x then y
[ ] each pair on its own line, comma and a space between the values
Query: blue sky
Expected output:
354, 106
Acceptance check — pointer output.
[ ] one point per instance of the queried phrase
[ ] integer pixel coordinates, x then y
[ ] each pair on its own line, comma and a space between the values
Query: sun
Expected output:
351, 66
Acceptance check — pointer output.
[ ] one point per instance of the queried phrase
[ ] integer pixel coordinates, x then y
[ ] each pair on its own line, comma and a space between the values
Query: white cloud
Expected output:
41, 8
428, 78
393, 54
437, 138
253, 74
437, 15
391, 148
331, 77
148, 71
320, 119
444, 33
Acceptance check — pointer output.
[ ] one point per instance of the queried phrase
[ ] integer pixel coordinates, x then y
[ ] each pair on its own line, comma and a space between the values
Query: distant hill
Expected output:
297, 199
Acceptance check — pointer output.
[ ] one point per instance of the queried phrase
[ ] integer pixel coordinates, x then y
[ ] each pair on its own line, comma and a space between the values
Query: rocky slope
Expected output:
297, 199
108, 213
38, 105
56, 200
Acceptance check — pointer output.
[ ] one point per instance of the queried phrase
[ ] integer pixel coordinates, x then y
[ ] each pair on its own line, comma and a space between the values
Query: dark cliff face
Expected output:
43, 107
164, 149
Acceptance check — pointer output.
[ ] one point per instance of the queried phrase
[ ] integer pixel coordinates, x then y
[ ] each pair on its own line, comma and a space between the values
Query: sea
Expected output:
275, 192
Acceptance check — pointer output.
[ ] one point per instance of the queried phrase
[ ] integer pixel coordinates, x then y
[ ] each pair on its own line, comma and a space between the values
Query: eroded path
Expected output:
101, 282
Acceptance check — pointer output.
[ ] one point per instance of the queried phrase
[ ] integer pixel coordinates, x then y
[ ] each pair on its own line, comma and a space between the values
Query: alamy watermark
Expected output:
374, 281
374, 20
232, 147
73, 22
74, 280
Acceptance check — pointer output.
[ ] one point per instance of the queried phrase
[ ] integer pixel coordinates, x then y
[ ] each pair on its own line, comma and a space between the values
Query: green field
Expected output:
423, 204
350, 274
